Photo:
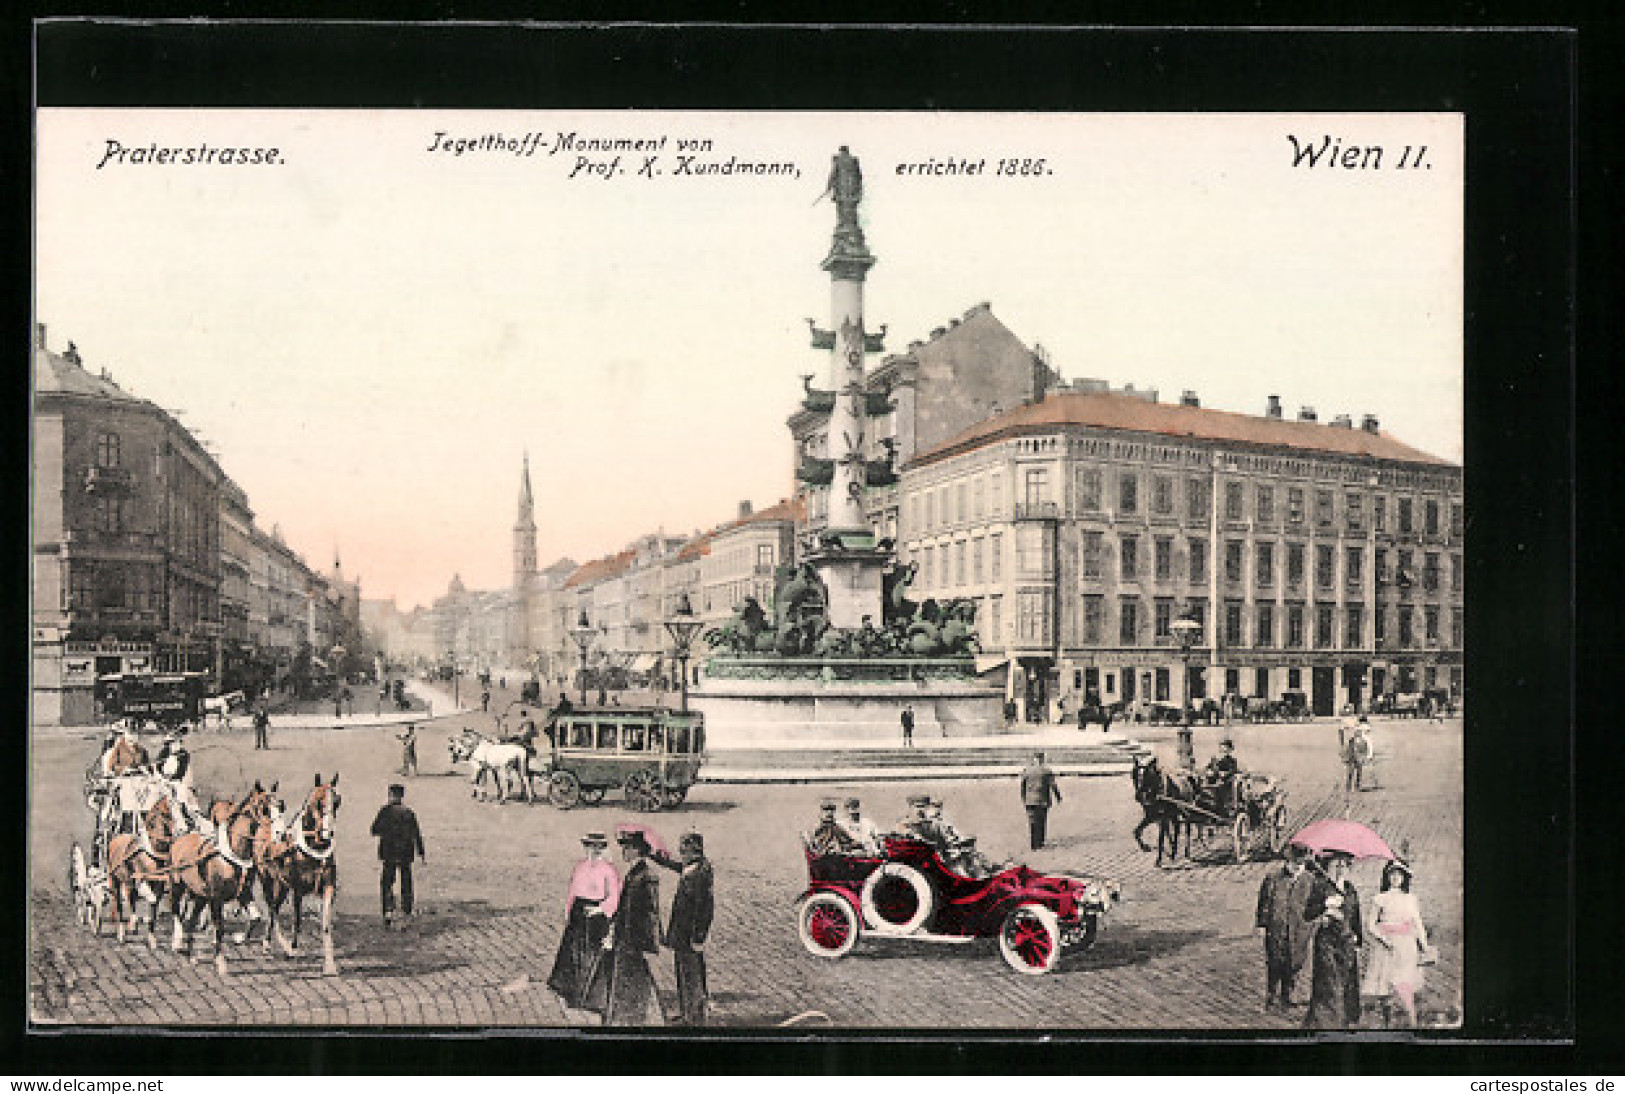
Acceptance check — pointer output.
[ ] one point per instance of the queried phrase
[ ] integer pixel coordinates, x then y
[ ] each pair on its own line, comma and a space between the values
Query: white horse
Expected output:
497, 757
221, 706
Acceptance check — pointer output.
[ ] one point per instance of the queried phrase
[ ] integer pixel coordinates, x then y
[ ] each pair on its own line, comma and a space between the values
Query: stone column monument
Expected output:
845, 557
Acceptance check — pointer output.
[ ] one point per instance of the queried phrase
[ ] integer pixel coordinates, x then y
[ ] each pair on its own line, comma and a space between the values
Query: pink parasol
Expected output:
656, 843
1349, 837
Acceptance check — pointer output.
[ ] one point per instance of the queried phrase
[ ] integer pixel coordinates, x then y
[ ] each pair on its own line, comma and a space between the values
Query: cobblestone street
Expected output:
1178, 952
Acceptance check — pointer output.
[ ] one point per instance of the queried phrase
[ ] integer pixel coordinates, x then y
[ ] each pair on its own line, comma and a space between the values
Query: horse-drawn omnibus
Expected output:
165, 699
652, 755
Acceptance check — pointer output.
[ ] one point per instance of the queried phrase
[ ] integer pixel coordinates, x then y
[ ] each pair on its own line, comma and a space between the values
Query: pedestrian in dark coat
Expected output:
621, 987
908, 727
396, 827
1038, 792
1333, 910
690, 925
262, 726
1280, 923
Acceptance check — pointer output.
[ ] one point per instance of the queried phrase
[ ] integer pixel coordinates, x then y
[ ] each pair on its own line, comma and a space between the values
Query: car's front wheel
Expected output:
1030, 939
828, 925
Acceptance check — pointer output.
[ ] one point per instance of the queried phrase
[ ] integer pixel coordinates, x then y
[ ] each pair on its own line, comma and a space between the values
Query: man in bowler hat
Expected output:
396, 827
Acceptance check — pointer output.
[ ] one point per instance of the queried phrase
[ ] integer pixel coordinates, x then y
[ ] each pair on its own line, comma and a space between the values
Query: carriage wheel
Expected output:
1277, 829
592, 795
1030, 939
828, 925
1242, 834
675, 796
643, 792
564, 790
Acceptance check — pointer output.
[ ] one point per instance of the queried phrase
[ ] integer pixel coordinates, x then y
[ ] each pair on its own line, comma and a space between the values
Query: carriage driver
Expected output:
1219, 777
174, 763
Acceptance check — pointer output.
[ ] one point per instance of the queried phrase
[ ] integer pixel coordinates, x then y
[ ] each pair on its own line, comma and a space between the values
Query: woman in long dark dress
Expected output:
595, 890
1333, 908
621, 988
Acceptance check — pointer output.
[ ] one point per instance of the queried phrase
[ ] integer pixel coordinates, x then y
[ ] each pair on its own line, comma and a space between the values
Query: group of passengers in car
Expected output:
857, 835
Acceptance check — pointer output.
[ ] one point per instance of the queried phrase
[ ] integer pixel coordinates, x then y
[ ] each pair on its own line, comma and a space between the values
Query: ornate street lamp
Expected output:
682, 626
582, 633
1188, 632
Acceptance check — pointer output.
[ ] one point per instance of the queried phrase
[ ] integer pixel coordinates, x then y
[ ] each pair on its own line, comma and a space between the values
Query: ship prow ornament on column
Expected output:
845, 556
843, 650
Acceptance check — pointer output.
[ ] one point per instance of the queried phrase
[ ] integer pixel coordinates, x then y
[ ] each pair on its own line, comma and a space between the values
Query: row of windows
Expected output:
962, 562
973, 499
1272, 625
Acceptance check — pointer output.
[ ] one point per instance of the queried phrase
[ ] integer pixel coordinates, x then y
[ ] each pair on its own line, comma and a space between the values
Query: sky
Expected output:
373, 330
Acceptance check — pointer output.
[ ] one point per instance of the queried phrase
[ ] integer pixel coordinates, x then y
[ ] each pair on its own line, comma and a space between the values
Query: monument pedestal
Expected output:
852, 580
810, 701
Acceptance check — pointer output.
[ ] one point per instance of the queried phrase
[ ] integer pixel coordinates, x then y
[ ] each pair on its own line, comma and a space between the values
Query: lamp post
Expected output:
1187, 631
682, 626
582, 633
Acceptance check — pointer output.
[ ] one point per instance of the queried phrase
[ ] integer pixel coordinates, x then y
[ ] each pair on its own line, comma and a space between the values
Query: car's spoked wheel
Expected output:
1030, 939
828, 925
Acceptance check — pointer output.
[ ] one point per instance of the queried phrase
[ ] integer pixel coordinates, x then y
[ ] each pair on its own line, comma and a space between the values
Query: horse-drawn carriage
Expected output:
652, 755
1245, 816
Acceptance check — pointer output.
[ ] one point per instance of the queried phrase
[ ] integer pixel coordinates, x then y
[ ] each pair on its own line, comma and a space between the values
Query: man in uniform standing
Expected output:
908, 726
396, 827
1038, 792
691, 912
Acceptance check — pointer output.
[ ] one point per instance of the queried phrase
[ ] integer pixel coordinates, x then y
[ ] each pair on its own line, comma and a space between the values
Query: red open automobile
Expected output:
911, 893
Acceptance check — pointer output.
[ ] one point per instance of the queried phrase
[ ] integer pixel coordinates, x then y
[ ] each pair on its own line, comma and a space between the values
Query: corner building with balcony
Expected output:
1321, 558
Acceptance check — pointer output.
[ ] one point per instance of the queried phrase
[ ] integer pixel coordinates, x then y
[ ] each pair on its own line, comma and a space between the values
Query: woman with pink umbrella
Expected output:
1333, 911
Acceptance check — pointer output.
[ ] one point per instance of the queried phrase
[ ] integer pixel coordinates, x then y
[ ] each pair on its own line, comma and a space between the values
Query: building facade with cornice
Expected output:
1322, 558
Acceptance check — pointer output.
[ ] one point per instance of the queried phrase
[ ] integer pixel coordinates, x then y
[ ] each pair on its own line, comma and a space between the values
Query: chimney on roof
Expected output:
1307, 414
1369, 423
938, 332
1188, 398
1343, 421
1274, 408
39, 335
744, 509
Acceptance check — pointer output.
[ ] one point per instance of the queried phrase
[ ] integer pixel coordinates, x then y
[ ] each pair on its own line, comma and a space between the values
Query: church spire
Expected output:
525, 504
524, 532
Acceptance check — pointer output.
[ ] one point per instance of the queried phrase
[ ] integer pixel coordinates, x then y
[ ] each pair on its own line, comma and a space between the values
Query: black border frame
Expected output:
1519, 90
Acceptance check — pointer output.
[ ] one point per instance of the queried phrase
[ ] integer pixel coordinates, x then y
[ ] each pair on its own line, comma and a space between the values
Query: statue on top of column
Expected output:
845, 186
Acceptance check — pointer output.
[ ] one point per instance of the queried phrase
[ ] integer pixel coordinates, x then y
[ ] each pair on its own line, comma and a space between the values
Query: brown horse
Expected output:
137, 862
303, 864
212, 870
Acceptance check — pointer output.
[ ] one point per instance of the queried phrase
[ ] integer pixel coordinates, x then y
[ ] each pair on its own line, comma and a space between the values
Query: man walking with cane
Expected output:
1038, 791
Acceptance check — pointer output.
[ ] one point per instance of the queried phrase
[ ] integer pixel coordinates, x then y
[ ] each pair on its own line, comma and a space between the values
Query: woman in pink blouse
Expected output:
595, 891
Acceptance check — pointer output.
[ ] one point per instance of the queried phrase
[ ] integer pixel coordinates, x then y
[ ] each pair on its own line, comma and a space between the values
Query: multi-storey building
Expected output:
1320, 558
237, 669
126, 520
972, 368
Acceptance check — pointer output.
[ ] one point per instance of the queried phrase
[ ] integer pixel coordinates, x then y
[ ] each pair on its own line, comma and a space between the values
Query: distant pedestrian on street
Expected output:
908, 727
262, 728
1280, 923
485, 702
1355, 756
338, 705
1038, 791
409, 749
1009, 712
603, 697
396, 827
1347, 727
691, 913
